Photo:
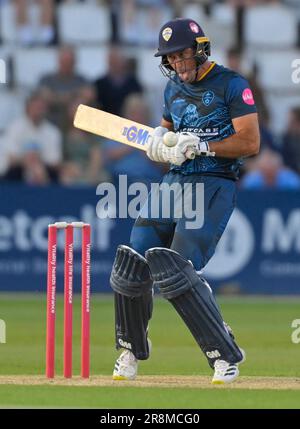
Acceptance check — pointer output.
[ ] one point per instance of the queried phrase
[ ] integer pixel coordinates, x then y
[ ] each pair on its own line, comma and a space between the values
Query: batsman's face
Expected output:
183, 62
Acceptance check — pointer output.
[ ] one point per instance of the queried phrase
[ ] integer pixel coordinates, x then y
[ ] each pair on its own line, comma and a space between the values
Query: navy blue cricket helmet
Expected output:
179, 34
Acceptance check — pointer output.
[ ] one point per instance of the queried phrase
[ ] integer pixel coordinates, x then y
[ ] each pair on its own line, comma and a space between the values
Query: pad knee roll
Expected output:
130, 275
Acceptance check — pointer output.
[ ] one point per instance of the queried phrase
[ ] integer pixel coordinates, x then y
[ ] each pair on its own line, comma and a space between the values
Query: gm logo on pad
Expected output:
136, 135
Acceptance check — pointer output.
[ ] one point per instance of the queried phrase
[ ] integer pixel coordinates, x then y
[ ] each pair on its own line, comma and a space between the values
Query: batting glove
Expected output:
155, 145
178, 154
201, 148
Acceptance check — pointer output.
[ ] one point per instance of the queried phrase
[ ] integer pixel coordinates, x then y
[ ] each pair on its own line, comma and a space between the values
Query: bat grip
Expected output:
190, 153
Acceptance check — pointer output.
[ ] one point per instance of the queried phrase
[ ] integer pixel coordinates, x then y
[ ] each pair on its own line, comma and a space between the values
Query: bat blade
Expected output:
115, 128
112, 127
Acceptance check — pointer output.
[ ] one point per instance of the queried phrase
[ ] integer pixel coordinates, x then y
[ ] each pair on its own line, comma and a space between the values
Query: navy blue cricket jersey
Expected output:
206, 108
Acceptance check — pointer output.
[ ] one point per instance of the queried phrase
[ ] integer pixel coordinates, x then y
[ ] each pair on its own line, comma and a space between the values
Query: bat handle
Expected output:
190, 153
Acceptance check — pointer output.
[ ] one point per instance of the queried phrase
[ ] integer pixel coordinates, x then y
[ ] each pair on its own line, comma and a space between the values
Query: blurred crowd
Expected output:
39, 145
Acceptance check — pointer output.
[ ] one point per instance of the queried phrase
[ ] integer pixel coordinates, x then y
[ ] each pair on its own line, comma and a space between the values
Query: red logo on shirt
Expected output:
248, 96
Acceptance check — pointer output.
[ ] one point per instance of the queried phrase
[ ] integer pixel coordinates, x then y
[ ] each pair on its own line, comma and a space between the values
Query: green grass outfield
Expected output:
176, 376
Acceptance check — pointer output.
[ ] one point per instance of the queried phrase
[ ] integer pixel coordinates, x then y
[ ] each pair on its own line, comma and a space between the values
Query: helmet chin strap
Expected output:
168, 71
198, 67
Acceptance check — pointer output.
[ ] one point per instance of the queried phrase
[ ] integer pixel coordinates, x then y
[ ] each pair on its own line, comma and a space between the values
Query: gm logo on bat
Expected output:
136, 135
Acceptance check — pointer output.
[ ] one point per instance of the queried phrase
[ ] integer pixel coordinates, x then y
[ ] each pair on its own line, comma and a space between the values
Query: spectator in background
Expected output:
30, 34
123, 159
269, 172
234, 61
61, 87
117, 84
140, 20
294, 5
34, 145
246, 3
82, 154
32, 171
291, 141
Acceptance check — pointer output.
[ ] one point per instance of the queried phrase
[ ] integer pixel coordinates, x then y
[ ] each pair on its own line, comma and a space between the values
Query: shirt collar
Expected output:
207, 71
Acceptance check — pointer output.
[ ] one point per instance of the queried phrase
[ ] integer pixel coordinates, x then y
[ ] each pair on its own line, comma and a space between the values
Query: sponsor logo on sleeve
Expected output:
248, 97
194, 27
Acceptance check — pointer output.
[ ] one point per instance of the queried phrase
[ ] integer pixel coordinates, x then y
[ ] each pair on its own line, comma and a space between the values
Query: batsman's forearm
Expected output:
235, 146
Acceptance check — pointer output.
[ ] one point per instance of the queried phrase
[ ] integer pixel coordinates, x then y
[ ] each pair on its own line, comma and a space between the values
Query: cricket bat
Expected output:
115, 128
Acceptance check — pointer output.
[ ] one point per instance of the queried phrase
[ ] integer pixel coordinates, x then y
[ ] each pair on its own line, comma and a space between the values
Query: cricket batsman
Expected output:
211, 109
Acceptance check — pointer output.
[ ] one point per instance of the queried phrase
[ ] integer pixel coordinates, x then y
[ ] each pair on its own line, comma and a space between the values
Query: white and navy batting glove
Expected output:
156, 145
177, 154
201, 148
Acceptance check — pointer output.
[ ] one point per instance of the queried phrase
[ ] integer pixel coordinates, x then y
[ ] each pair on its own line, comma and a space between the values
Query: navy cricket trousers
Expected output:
156, 226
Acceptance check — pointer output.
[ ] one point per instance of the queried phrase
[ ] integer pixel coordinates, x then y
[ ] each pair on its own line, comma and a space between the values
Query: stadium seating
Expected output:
270, 40
270, 26
31, 64
3, 157
4, 61
148, 70
281, 92
145, 26
275, 71
221, 26
196, 12
83, 23
279, 107
11, 106
91, 61
219, 56
8, 26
